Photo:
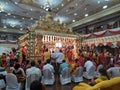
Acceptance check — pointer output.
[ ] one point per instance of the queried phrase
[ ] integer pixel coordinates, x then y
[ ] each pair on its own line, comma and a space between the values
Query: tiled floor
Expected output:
58, 86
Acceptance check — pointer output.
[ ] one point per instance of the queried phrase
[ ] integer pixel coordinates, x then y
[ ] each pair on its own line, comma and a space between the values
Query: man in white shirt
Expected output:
89, 69
114, 71
59, 58
32, 74
33, 70
53, 58
48, 66
88, 64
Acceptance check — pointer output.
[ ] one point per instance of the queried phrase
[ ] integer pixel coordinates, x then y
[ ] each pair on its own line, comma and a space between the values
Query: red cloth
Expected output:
69, 55
81, 61
11, 56
24, 50
101, 58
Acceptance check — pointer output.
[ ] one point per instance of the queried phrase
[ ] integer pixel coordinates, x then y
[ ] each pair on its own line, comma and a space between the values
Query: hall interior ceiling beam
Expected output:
96, 16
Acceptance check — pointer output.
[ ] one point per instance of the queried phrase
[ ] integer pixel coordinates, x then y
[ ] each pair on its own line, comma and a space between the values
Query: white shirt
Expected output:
53, 57
48, 66
59, 57
11, 81
87, 65
113, 72
33, 70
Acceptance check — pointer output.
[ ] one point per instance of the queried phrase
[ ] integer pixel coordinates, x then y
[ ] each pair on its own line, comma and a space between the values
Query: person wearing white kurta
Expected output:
88, 64
48, 66
33, 70
114, 72
11, 80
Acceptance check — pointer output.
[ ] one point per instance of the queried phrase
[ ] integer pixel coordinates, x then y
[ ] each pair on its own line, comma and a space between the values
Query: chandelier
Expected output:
47, 6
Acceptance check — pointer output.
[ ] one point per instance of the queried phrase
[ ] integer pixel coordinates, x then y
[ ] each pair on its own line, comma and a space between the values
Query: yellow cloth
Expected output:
46, 56
81, 86
113, 84
76, 56
72, 68
100, 79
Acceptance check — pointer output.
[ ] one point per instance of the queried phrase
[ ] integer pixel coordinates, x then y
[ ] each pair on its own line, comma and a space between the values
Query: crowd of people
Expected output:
56, 61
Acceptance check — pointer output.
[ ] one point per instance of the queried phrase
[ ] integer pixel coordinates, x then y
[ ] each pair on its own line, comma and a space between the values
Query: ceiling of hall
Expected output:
21, 14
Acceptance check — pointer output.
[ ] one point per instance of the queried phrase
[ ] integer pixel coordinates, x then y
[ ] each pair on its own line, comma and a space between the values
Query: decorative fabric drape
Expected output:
11, 41
102, 33
99, 34
87, 36
114, 31
2, 41
8, 41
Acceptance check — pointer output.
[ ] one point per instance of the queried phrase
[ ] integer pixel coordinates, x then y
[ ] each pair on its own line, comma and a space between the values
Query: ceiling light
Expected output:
86, 15
41, 6
12, 25
21, 29
73, 21
106, 0
8, 13
76, 4
14, 16
75, 14
104, 7
4, 27
62, 4
31, 9
16, 2
98, 2
67, 10
85, 9
31, 18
